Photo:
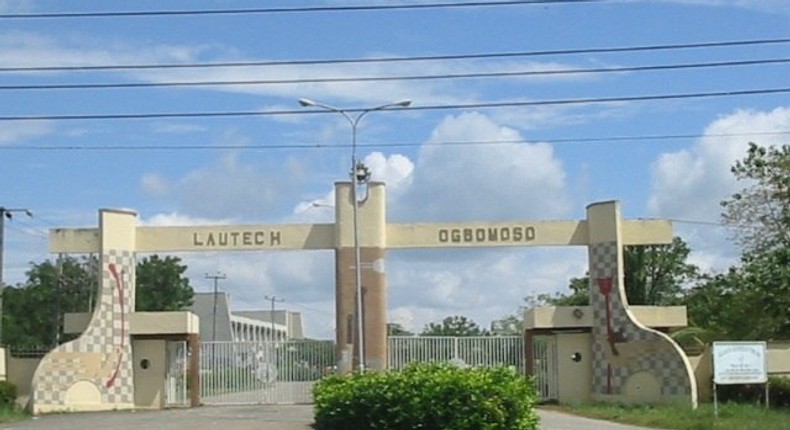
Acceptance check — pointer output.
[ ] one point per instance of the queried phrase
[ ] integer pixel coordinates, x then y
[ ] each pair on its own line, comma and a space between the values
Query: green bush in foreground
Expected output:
7, 393
427, 396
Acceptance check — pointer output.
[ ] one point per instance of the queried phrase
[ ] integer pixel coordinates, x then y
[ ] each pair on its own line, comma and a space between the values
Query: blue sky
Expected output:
520, 162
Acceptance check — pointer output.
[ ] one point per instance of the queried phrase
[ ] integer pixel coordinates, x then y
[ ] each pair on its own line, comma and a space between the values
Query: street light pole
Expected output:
274, 300
5, 213
216, 279
359, 175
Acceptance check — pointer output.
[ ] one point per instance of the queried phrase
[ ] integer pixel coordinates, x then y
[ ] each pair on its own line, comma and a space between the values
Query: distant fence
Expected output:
485, 351
28, 351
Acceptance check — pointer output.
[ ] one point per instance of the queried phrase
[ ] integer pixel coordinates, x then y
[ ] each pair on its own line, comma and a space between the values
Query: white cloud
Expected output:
155, 184
231, 188
690, 183
17, 131
467, 182
428, 285
16, 6
772, 6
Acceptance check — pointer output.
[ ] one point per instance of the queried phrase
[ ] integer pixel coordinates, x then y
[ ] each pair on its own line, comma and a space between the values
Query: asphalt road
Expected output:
297, 417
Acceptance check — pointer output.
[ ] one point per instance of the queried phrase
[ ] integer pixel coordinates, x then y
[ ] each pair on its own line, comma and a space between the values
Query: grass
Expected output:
731, 416
10, 414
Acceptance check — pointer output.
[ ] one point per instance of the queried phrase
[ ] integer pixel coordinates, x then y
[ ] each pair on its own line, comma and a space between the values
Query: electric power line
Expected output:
480, 105
566, 140
511, 74
698, 222
475, 56
283, 10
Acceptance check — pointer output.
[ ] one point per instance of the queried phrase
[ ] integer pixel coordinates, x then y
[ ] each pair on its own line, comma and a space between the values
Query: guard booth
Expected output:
165, 356
559, 352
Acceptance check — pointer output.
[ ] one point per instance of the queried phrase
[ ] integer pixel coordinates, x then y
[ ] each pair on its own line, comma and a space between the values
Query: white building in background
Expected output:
219, 323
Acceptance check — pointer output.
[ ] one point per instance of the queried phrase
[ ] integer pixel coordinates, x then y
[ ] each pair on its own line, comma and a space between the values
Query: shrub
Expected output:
7, 393
427, 396
778, 391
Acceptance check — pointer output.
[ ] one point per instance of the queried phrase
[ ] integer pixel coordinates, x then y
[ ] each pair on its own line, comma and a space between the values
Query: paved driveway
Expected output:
243, 418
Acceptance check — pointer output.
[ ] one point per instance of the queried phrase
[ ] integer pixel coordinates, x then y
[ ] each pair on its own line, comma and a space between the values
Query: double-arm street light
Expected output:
359, 175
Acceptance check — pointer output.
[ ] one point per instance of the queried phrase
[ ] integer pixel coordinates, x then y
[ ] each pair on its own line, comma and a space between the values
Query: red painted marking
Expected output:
605, 287
119, 286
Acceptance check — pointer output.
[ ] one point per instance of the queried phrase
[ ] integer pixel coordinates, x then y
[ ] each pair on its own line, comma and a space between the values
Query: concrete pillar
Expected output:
371, 219
630, 362
94, 372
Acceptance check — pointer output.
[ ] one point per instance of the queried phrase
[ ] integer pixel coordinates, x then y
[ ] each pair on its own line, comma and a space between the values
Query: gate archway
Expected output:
617, 335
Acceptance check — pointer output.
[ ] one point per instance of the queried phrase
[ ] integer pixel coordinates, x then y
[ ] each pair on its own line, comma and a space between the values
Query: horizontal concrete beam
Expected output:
518, 233
322, 236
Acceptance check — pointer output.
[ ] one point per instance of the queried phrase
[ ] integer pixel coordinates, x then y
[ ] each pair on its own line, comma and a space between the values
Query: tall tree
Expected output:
752, 300
161, 285
456, 325
33, 311
760, 212
656, 274
396, 329
511, 325
653, 275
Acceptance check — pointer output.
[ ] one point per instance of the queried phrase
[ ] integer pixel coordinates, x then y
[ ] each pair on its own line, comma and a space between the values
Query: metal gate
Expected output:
273, 372
176, 376
487, 351
546, 367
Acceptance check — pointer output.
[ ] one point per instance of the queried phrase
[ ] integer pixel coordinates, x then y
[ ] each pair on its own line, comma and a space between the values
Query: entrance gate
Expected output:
272, 372
623, 350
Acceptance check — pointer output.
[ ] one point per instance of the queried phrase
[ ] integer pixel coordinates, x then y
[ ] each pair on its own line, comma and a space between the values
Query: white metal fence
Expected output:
279, 372
488, 351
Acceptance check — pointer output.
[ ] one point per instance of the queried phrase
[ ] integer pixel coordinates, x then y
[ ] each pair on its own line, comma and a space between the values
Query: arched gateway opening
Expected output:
624, 351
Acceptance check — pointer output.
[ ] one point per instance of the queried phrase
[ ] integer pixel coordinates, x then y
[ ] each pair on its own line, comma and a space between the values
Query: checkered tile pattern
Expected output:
635, 349
102, 355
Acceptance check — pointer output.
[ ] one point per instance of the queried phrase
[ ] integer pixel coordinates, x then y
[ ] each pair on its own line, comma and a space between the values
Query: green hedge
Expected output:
778, 391
7, 394
427, 396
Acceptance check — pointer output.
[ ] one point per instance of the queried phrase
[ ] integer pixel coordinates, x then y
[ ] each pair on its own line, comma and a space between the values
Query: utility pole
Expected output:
274, 300
216, 279
5, 213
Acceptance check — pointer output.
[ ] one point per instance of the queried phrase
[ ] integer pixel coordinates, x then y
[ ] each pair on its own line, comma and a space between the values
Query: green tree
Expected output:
396, 329
161, 285
579, 296
32, 312
656, 274
653, 275
456, 325
752, 299
511, 325
760, 212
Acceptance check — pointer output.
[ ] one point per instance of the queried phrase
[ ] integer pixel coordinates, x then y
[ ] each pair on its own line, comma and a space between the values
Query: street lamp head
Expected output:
306, 102
361, 173
403, 103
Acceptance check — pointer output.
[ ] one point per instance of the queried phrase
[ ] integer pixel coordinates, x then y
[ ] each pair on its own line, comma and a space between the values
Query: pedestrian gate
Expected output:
546, 372
176, 376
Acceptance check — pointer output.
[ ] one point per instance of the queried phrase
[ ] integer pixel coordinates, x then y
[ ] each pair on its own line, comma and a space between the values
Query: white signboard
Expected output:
739, 363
